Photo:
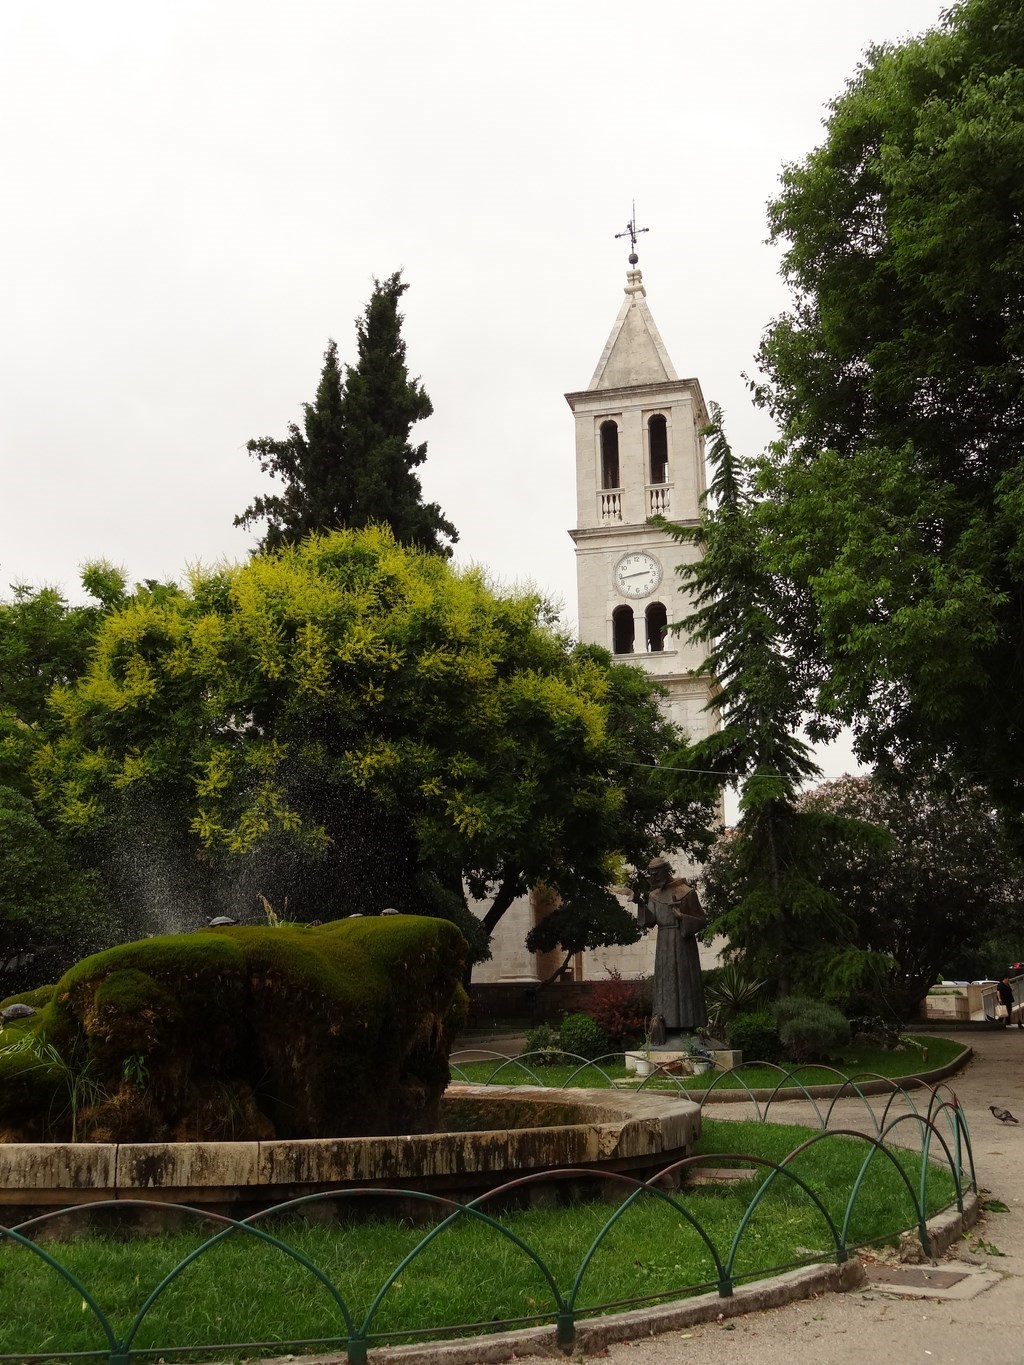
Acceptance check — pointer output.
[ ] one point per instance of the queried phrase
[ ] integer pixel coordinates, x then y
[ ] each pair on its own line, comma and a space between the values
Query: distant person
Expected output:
1005, 992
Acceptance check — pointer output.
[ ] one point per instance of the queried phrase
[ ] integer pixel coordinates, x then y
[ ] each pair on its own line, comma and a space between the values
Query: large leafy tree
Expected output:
353, 724
51, 910
777, 914
944, 878
896, 495
352, 463
51, 903
45, 640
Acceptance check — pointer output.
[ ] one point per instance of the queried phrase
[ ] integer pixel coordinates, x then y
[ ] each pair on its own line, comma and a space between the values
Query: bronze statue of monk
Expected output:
672, 906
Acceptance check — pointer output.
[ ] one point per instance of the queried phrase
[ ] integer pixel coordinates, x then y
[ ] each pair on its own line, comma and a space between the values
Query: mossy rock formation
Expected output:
240, 1033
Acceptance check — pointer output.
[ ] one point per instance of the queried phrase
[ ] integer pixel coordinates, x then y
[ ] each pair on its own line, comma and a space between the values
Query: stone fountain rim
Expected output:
624, 1131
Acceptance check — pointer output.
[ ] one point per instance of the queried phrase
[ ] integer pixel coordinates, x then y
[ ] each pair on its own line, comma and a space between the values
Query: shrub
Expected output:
810, 1029
618, 1007
877, 1032
583, 1036
756, 1035
730, 991
543, 1042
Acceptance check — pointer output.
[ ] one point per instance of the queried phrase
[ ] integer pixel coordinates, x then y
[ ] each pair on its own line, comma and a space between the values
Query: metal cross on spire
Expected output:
632, 232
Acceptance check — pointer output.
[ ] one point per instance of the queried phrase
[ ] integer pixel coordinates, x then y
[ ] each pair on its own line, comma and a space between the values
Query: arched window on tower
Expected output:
656, 618
609, 455
623, 630
657, 440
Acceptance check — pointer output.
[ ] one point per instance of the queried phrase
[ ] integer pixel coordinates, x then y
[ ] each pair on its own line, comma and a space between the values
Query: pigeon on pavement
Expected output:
1003, 1115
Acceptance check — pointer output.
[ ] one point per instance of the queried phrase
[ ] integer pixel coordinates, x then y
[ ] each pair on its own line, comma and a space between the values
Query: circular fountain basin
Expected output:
493, 1134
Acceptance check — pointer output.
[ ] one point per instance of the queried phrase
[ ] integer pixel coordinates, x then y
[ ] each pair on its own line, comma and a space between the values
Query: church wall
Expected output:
632, 961
510, 960
636, 960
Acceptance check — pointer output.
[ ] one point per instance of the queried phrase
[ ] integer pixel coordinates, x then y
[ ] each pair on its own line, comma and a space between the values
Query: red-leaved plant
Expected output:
619, 1007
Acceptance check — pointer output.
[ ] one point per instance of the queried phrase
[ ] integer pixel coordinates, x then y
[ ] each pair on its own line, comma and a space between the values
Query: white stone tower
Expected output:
639, 452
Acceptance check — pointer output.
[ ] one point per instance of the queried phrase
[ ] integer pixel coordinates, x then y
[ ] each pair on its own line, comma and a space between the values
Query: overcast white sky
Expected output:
198, 195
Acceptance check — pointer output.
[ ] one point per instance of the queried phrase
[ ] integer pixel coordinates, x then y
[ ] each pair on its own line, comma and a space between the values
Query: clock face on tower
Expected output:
637, 574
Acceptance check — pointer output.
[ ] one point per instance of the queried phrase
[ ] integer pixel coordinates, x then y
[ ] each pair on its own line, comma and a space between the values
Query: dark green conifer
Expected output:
352, 464
787, 926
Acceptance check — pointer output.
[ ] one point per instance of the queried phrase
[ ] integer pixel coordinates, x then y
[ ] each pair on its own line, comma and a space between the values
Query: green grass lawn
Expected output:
853, 1061
246, 1292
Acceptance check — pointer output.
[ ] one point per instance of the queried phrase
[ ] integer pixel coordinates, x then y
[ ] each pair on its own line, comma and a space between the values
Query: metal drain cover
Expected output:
918, 1277
929, 1282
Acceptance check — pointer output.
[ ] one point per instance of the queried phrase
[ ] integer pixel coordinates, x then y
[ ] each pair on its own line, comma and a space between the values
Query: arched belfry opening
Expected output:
657, 444
656, 622
623, 630
610, 455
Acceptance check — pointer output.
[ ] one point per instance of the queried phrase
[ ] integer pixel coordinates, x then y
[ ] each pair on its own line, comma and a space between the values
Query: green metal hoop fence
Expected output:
357, 1330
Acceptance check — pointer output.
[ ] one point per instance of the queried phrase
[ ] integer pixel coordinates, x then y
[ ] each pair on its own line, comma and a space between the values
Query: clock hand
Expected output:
637, 573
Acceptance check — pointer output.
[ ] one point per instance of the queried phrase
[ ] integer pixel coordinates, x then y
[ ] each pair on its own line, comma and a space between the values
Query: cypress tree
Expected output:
352, 464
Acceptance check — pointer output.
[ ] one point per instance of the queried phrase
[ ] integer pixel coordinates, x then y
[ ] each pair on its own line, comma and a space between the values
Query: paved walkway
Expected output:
869, 1325
509, 1042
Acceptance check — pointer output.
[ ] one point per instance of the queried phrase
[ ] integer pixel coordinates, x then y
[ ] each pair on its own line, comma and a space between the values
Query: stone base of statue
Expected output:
677, 1060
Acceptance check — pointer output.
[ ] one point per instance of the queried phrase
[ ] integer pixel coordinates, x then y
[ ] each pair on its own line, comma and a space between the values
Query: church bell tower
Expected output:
639, 453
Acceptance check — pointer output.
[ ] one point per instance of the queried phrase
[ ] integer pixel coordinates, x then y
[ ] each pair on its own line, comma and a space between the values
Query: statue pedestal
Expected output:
643, 1064
727, 1058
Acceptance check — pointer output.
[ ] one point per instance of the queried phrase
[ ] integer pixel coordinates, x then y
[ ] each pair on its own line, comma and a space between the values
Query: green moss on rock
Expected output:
37, 998
248, 1032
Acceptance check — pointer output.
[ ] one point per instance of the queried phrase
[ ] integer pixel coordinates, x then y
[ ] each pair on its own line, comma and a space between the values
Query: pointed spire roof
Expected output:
634, 352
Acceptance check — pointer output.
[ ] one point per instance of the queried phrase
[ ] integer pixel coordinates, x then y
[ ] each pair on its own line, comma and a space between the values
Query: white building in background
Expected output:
639, 453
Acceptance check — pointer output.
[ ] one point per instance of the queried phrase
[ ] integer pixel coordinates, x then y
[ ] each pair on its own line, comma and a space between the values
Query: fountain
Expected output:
244, 1065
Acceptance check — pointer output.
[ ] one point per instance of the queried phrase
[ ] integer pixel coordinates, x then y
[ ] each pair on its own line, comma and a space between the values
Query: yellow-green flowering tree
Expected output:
359, 725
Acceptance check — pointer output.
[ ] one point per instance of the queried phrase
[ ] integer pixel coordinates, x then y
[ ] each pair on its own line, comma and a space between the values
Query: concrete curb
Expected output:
946, 1229
828, 1092
594, 1334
